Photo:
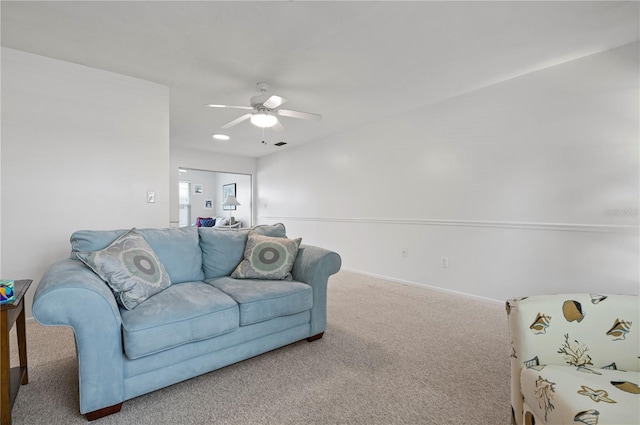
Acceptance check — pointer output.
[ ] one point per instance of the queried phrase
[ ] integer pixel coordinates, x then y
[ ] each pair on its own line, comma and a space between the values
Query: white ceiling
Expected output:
353, 62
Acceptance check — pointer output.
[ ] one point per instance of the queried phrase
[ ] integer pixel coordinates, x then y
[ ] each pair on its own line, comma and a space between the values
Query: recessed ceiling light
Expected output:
219, 136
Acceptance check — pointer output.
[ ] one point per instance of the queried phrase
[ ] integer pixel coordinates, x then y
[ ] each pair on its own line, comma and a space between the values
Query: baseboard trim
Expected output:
424, 285
562, 227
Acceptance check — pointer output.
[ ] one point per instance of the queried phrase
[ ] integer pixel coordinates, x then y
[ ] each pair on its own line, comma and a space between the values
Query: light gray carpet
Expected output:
392, 354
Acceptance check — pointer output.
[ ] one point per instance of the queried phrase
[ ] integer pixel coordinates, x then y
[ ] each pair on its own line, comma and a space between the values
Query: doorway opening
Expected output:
202, 192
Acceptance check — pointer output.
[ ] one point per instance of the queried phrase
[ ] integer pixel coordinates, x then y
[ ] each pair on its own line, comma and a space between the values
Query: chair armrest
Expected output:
313, 266
70, 294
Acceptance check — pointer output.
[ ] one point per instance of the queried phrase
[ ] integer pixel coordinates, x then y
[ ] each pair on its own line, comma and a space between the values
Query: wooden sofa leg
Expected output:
315, 337
101, 413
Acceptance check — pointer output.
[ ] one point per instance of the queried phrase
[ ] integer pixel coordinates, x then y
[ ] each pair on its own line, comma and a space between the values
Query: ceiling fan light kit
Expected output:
265, 108
263, 120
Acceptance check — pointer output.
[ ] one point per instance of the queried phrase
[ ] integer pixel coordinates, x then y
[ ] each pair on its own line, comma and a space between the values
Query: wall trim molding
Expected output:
559, 227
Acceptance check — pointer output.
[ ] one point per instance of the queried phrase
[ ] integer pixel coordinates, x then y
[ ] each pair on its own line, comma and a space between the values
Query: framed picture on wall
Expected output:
198, 189
228, 190
208, 204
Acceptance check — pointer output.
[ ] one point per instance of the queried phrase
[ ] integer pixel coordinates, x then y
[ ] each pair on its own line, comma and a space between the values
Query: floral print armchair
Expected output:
575, 359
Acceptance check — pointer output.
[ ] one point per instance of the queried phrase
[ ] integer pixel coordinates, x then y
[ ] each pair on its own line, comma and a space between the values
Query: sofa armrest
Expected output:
70, 294
313, 266
584, 331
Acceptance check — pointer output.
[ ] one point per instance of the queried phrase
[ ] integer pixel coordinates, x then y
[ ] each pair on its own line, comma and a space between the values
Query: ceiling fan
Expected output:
264, 109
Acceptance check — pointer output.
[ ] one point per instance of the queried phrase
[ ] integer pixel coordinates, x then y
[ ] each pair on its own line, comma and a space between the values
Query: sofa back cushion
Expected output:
177, 249
223, 249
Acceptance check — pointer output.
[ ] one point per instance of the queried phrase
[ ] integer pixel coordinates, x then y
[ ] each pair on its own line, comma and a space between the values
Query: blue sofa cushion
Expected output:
191, 311
223, 249
261, 300
177, 249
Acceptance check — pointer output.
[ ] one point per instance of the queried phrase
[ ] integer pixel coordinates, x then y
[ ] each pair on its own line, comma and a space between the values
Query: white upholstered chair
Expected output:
575, 359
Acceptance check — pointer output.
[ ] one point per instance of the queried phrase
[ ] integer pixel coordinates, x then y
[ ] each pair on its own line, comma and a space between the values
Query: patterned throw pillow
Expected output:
206, 222
266, 257
130, 267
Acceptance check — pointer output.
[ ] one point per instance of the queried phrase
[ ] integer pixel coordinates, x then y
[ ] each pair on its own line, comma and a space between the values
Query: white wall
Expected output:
528, 186
81, 148
201, 160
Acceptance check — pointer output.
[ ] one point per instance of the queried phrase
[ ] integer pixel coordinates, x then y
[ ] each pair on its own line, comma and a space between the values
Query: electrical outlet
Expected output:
405, 252
444, 262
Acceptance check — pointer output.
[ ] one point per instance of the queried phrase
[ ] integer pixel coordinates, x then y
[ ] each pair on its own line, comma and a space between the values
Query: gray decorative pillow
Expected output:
266, 257
130, 267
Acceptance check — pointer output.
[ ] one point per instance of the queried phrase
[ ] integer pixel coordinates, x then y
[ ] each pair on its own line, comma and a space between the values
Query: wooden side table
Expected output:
12, 378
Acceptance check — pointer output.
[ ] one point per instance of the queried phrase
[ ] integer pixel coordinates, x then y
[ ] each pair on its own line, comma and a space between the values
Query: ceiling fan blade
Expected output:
298, 114
278, 127
229, 106
237, 121
273, 102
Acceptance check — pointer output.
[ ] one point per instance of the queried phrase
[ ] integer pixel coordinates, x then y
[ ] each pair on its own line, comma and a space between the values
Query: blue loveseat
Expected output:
202, 321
